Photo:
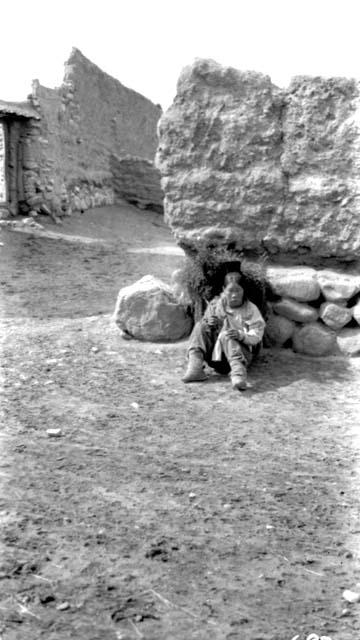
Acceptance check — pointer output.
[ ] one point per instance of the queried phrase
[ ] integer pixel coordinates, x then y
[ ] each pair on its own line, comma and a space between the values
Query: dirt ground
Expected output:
164, 510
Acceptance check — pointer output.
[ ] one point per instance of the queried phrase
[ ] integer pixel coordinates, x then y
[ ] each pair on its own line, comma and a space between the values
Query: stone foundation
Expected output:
313, 311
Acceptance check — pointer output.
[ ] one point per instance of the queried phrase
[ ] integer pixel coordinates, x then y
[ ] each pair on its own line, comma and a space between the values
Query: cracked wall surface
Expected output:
262, 169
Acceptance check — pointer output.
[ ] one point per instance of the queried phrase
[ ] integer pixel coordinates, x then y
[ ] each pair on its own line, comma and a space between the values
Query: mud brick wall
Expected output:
272, 175
87, 119
262, 169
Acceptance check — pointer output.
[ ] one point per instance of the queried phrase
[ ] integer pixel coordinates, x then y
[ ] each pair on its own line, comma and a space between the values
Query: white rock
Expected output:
348, 341
337, 286
295, 310
135, 405
351, 596
356, 312
314, 339
54, 433
279, 329
335, 315
148, 310
293, 282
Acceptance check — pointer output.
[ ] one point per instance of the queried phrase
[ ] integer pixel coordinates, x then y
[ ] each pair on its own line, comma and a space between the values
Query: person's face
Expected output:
234, 294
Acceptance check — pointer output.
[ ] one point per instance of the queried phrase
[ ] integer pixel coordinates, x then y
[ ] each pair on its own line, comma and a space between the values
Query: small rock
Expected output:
356, 312
192, 496
54, 433
351, 596
348, 341
338, 286
63, 606
334, 315
94, 349
135, 406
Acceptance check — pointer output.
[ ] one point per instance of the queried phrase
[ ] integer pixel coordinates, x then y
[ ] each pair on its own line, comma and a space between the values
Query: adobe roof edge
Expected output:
20, 109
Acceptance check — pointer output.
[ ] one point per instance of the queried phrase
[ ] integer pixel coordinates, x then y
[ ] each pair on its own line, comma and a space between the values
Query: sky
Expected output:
146, 43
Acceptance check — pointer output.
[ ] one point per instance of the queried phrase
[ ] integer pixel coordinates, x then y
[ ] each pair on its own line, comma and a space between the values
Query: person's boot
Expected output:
195, 367
238, 374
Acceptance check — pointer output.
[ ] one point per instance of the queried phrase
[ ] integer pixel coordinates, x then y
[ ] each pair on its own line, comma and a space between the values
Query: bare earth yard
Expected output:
164, 510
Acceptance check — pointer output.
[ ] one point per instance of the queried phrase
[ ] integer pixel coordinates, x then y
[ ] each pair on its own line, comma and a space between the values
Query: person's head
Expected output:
233, 291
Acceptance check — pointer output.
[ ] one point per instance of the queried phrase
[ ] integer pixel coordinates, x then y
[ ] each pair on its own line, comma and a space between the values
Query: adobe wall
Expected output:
273, 176
90, 117
263, 169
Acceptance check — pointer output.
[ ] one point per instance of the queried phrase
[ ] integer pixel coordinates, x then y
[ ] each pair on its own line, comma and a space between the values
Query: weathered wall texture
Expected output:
89, 118
137, 181
257, 168
321, 159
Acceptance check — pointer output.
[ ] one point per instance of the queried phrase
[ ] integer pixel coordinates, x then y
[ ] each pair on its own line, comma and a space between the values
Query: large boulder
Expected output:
148, 310
246, 164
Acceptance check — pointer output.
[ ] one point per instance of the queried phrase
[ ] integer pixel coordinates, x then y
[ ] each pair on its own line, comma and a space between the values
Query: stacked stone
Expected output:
316, 312
88, 195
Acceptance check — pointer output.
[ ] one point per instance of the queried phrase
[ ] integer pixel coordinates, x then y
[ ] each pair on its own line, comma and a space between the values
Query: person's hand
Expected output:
212, 321
234, 334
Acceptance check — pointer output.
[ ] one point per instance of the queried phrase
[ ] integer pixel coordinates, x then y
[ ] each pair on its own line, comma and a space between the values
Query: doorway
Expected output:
3, 163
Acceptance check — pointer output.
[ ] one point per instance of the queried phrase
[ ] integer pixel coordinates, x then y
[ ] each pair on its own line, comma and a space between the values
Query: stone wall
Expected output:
314, 311
87, 119
247, 165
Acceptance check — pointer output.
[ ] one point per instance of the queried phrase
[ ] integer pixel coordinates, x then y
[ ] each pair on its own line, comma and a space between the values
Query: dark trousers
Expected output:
203, 338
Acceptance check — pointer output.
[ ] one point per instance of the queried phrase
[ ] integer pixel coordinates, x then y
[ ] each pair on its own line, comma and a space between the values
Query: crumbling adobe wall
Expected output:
272, 176
246, 164
138, 181
87, 119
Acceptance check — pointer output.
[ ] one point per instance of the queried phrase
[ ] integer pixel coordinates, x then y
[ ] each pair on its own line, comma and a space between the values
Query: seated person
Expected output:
227, 336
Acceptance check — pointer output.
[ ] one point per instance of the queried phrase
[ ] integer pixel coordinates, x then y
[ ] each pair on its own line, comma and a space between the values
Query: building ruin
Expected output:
61, 151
